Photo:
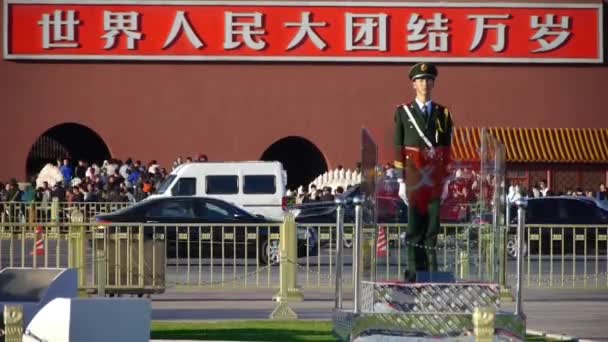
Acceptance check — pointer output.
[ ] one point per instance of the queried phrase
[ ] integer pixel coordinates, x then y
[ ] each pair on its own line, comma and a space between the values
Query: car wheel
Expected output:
512, 247
270, 252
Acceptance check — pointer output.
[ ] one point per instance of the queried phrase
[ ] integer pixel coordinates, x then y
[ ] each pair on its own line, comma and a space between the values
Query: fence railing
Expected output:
147, 258
566, 255
54, 211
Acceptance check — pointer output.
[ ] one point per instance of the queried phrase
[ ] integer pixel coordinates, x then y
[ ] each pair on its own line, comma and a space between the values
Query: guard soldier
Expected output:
423, 134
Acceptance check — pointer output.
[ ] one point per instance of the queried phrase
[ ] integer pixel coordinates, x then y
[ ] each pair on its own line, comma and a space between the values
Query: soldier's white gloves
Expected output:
402, 194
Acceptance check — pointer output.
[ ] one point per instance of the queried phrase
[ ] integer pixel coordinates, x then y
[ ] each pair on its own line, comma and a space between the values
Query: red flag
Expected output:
425, 173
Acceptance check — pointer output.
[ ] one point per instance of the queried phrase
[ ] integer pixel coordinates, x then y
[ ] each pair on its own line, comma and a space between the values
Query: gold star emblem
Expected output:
423, 67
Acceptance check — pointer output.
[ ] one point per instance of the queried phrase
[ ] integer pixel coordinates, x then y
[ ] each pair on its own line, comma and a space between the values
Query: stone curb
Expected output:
559, 337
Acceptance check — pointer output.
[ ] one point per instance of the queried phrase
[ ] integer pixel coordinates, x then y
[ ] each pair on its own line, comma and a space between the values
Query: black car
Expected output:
315, 215
390, 209
220, 231
545, 221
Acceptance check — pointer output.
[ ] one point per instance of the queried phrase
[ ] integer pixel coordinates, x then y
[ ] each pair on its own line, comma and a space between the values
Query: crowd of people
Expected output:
112, 181
540, 189
132, 180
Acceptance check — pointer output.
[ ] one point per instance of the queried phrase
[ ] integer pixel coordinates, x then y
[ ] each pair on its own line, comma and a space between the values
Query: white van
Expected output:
257, 186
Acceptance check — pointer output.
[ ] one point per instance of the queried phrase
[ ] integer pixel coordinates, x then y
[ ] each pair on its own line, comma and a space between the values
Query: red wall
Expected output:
235, 111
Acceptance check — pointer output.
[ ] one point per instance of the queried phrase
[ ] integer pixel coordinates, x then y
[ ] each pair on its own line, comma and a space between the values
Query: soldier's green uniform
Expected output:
424, 163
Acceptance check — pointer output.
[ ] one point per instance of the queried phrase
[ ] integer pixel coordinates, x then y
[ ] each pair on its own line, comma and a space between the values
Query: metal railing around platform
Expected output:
460, 249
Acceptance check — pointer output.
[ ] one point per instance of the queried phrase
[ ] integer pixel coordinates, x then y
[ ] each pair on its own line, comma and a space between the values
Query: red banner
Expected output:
303, 31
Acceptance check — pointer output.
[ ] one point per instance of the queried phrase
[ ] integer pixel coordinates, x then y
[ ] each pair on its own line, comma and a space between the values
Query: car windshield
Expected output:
165, 184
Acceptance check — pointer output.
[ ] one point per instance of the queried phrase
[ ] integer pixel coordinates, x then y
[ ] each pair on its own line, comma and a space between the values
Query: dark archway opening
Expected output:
68, 140
302, 160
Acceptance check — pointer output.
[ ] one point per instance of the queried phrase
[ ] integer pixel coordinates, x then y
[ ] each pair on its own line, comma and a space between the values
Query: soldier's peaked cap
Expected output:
423, 70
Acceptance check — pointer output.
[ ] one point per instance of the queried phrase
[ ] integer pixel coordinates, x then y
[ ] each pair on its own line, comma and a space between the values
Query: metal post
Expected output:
521, 222
506, 236
357, 253
100, 258
77, 241
500, 201
483, 324
339, 250
288, 289
505, 292
55, 210
483, 150
13, 323
507, 216
464, 264
496, 244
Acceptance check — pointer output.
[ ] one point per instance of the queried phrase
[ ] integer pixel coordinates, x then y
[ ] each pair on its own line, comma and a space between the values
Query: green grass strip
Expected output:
318, 331
262, 330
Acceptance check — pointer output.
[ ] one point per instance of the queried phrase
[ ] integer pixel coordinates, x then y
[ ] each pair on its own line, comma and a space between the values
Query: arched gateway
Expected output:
67, 140
302, 160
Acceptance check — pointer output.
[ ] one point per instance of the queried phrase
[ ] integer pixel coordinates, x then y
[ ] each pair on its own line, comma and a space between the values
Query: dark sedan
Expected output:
545, 221
220, 232
390, 209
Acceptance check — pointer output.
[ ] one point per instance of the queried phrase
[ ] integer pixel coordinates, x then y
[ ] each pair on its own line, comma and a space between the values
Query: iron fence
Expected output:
147, 258
54, 211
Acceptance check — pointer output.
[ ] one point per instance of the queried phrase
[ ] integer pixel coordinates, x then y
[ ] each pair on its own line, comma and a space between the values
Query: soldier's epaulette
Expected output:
444, 109
407, 104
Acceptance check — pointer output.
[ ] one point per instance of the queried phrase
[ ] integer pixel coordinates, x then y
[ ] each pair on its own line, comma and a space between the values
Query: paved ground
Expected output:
579, 313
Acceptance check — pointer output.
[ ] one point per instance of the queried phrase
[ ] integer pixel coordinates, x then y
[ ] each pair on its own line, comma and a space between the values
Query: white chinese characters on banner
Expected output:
424, 32
481, 26
59, 32
181, 23
306, 29
431, 34
546, 29
365, 32
115, 23
246, 29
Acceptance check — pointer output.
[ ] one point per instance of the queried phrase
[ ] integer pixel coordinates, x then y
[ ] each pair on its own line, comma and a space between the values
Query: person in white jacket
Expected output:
514, 193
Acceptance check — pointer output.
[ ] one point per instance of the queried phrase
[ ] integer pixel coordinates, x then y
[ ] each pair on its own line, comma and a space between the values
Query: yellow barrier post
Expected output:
31, 213
483, 324
463, 260
13, 323
55, 210
101, 269
368, 257
488, 253
77, 244
288, 290
505, 291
